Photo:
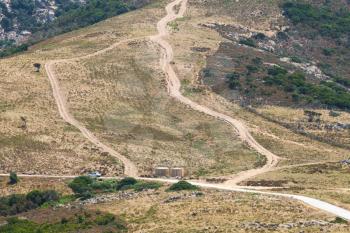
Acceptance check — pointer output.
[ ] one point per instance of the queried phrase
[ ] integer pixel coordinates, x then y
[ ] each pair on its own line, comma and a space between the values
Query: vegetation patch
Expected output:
249, 42
69, 16
19, 203
86, 187
327, 93
79, 223
323, 19
182, 185
23, 142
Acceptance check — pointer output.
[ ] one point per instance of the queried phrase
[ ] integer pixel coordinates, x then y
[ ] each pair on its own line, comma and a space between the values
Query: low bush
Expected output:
126, 183
296, 59
327, 93
324, 20
182, 185
85, 187
81, 184
105, 219
78, 223
13, 50
328, 51
342, 81
18, 203
13, 179
104, 185
249, 42
339, 220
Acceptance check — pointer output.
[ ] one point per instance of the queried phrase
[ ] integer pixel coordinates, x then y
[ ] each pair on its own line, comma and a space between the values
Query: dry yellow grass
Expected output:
329, 182
27, 184
120, 96
189, 211
296, 117
213, 211
48, 145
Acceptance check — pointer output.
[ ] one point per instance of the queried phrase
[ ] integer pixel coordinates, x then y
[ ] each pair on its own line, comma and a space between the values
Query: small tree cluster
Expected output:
18, 203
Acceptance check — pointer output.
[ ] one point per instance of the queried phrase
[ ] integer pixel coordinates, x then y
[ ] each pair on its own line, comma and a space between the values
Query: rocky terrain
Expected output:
19, 18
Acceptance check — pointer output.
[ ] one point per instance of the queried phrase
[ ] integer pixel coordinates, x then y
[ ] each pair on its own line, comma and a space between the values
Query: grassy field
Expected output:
213, 211
122, 97
329, 182
177, 211
26, 184
47, 145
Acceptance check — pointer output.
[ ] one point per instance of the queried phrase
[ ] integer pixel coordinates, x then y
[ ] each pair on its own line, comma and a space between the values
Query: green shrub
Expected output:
18, 203
277, 70
328, 51
81, 184
339, 220
252, 68
296, 59
249, 42
233, 80
75, 224
182, 185
342, 81
12, 50
104, 185
334, 114
39, 197
125, 183
260, 36
257, 61
324, 19
207, 72
13, 178
327, 93
105, 219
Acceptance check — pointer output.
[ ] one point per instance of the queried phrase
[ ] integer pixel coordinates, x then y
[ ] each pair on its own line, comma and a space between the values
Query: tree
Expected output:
37, 66
81, 185
6, 24
13, 178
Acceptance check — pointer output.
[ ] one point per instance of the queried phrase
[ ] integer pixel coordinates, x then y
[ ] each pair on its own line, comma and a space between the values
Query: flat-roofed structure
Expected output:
177, 172
161, 171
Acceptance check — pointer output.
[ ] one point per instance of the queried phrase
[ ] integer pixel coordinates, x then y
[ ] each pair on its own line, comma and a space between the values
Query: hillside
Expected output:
159, 210
26, 22
233, 92
19, 19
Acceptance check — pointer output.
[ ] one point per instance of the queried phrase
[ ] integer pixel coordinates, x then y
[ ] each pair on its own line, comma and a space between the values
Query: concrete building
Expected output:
177, 172
161, 171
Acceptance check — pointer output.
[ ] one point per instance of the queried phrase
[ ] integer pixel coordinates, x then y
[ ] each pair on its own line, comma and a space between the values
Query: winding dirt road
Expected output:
174, 86
174, 91
129, 168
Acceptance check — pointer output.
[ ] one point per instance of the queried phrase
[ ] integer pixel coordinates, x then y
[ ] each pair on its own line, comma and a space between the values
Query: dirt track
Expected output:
174, 91
129, 168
